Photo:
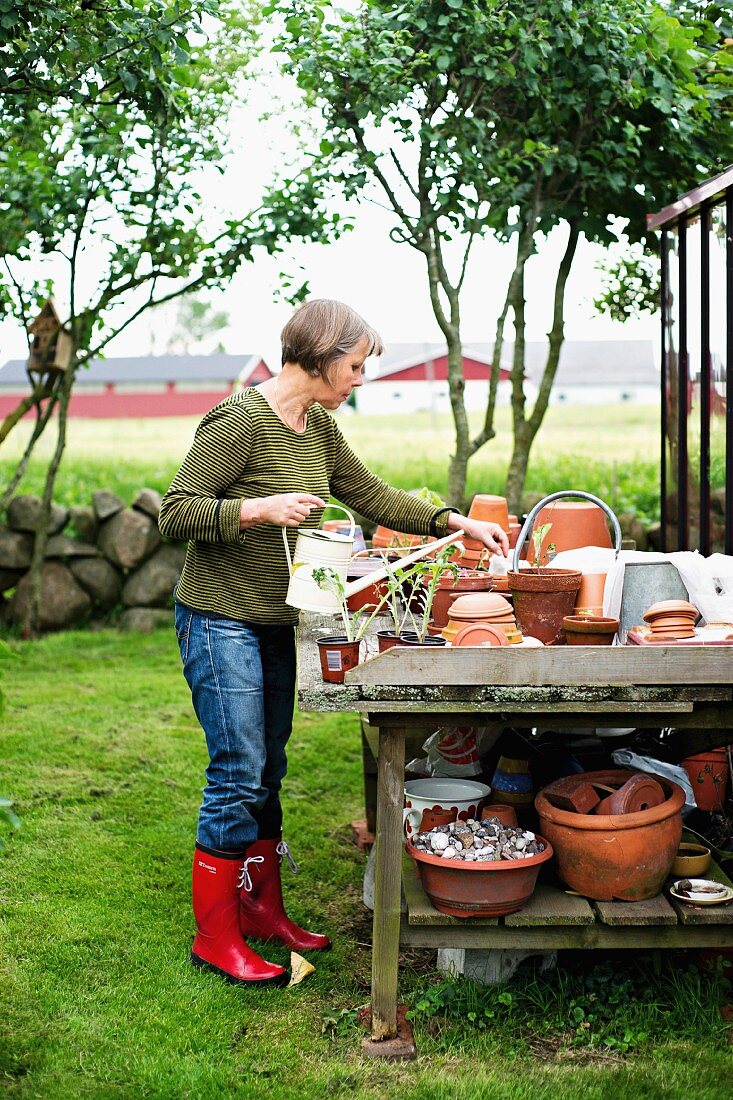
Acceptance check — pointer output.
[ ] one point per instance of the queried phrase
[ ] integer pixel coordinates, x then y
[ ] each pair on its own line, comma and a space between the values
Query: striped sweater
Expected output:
242, 450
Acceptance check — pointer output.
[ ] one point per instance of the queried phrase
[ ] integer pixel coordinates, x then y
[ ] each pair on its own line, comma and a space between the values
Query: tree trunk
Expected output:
458, 468
29, 627
526, 428
450, 325
39, 393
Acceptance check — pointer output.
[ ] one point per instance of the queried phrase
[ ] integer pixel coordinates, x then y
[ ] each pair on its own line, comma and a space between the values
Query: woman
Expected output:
265, 458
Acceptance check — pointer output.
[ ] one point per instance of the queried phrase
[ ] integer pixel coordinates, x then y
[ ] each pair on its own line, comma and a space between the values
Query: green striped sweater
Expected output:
242, 450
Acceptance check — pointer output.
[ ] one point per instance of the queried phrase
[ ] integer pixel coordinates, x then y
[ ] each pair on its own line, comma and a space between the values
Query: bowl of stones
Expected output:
478, 868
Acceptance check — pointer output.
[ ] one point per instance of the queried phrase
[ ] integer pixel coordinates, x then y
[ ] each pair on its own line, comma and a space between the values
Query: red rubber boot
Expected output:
263, 916
219, 945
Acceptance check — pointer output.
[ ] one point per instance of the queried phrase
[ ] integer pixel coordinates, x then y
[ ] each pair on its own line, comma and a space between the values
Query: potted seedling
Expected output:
341, 652
427, 579
543, 596
397, 604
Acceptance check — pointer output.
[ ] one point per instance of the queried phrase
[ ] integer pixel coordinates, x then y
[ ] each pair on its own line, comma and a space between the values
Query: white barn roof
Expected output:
582, 362
151, 368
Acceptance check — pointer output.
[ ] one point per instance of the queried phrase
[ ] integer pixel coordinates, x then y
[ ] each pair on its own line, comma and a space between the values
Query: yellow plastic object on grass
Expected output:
299, 968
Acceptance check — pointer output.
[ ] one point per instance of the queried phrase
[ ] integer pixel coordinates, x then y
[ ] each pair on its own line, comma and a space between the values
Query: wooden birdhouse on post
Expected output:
51, 347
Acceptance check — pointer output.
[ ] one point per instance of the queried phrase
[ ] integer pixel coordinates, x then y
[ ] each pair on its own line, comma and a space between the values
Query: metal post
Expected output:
705, 379
665, 366
683, 388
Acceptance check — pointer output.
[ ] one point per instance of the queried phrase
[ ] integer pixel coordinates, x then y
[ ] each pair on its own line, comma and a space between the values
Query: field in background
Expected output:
612, 451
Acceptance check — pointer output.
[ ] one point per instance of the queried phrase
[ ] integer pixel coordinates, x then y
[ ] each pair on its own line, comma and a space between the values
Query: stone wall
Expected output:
103, 563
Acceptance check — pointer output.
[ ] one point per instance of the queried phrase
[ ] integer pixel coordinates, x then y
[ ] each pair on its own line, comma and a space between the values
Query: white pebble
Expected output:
438, 842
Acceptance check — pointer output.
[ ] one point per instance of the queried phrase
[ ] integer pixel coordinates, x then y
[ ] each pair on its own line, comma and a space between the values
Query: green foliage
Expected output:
97, 996
630, 287
81, 52
470, 117
614, 1005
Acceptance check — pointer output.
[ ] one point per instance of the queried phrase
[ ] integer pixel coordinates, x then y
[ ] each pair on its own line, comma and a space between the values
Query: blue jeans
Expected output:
242, 681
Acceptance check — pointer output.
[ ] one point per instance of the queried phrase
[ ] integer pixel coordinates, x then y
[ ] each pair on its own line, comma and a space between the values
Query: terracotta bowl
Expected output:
623, 856
589, 630
691, 860
490, 508
479, 605
480, 634
479, 889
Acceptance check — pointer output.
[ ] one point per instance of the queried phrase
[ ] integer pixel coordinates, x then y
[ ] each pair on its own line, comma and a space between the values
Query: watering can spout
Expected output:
353, 587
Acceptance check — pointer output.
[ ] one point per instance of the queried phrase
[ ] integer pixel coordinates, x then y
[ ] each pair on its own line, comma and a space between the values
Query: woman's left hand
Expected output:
493, 537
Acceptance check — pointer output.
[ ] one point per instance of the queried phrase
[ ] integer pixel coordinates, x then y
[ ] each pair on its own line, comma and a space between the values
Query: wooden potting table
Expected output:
405, 694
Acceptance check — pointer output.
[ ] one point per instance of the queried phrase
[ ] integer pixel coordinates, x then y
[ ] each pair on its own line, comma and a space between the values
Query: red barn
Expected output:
145, 386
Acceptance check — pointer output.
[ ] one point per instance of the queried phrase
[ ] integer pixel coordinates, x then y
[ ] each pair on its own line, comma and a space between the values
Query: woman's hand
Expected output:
493, 537
283, 509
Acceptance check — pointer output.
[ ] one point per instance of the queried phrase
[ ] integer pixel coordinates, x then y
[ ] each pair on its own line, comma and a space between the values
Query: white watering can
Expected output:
317, 549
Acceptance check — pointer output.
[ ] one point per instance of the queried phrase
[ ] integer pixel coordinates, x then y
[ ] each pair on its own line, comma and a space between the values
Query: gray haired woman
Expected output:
267, 457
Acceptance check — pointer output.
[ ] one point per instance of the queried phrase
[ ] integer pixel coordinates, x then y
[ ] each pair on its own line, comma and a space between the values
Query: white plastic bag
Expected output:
456, 751
625, 758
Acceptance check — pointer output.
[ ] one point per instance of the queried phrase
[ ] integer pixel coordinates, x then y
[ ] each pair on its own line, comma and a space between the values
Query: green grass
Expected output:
104, 760
613, 452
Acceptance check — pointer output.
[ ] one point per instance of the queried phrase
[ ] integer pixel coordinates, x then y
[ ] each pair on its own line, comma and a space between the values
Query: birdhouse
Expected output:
51, 346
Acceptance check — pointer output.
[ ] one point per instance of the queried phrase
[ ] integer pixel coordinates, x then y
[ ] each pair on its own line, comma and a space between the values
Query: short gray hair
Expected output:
322, 331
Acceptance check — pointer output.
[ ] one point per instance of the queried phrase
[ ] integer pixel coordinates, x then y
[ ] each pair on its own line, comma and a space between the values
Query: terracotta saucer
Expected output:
672, 606
480, 634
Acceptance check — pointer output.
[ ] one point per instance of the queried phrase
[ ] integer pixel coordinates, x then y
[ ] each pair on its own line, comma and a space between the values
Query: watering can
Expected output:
318, 549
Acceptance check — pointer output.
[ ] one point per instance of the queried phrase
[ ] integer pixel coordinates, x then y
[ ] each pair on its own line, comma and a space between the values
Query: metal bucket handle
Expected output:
527, 525
338, 508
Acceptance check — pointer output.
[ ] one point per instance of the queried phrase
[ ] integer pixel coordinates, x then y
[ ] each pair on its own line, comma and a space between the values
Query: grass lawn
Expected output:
104, 760
613, 452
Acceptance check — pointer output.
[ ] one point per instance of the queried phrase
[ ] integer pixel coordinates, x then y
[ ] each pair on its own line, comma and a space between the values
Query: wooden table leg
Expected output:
387, 882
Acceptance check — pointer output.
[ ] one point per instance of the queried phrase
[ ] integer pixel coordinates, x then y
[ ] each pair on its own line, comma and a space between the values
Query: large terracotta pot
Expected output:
574, 523
490, 509
479, 889
708, 772
542, 599
623, 856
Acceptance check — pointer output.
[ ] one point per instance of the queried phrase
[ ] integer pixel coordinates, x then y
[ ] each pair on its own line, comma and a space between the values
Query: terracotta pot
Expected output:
337, 656
504, 813
479, 889
574, 523
623, 856
450, 588
490, 509
385, 536
514, 529
589, 630
368, 597
590, 594
432, 818
542, 599
708, 772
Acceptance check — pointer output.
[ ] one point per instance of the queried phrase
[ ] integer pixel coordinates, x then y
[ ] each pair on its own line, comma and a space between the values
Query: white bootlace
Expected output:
245, 879
283, 850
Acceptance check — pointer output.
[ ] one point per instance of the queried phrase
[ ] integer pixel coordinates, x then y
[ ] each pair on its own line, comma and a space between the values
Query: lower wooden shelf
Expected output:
554, 919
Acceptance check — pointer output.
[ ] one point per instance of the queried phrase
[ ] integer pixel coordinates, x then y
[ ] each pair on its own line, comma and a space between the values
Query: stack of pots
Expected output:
488, 509
486, 608
450, 588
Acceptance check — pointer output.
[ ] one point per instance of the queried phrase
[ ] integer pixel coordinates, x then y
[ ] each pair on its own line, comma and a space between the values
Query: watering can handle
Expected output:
527, 526
339, 508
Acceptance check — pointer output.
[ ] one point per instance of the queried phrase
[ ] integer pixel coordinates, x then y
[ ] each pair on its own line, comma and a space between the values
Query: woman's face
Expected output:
344, 375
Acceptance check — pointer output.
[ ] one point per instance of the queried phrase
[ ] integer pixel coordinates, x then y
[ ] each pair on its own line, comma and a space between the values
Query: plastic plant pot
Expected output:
337, 655
479, 889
